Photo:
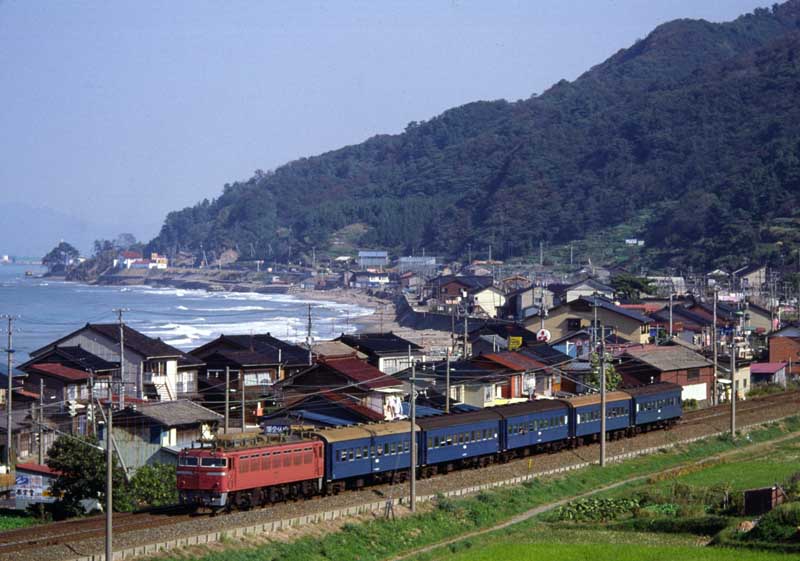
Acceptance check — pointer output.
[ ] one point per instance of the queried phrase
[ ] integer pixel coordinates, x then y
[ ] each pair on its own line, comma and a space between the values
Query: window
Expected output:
186, 460
573, 324
214, 462
351, 454
693, 374
393, 448
406, 445
366, 451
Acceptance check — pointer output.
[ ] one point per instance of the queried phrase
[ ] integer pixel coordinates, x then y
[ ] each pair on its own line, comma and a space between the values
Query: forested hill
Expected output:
696, 127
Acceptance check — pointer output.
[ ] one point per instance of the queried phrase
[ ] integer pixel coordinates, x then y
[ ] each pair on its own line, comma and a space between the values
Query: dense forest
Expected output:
698, 124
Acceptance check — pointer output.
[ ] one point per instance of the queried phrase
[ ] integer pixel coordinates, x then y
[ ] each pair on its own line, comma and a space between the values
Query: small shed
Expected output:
761, 501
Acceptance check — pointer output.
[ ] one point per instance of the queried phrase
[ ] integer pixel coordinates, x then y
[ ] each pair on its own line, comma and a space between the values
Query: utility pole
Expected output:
469, 253
10, 356
241, 388
447, 384
733, 387
670, 316
594, 323
109, 477
308, 337
541, 253
227, 399
41, 421
413, 410
121, 360
570, 254
714, 396
91, 402
466, 320
602, 402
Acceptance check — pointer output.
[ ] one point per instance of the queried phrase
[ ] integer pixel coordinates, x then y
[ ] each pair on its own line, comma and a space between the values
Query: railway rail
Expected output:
82, 537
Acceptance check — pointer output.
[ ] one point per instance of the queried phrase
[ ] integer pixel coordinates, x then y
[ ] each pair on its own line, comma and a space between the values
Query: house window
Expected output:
573, 324
693, 374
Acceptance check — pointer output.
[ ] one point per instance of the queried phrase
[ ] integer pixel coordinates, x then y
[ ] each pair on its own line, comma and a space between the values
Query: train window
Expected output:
372, 451
379, 450
433, 443
342, 455
485, 434
366, 452
358, 453
351, 454
214, 462
186, 460
406, 445
393, 448
386, 449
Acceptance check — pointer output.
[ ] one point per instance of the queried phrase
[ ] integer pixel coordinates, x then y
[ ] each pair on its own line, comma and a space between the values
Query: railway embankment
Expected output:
173, 530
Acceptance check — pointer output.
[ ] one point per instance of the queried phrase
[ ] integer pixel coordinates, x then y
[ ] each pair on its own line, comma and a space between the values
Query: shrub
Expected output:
779, 525
596, 509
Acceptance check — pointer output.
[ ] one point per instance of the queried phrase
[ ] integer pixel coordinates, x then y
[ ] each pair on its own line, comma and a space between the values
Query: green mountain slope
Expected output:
698, 122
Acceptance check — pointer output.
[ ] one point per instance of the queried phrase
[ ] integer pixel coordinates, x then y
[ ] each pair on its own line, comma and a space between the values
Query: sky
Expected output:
112, 114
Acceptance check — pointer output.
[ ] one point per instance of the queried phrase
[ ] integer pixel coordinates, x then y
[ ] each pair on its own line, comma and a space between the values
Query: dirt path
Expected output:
549, 506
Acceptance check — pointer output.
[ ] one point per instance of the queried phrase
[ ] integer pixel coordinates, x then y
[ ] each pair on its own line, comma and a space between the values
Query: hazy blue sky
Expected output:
117, 112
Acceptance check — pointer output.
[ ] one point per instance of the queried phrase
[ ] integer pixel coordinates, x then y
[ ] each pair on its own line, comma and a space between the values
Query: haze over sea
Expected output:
48, 309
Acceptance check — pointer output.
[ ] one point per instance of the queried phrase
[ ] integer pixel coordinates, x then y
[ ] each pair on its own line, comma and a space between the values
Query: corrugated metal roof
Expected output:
170, 413
364, 374
766, 367
667, 358
61, 371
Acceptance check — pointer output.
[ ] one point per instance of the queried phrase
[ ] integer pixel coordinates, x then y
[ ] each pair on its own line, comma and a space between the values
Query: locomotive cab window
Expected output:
214, 462
187, 461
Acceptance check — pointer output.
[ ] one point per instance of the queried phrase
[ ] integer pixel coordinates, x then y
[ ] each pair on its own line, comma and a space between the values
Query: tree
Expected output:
60, 256
613, 378
125, 241
154, 485
81, 465
631, 287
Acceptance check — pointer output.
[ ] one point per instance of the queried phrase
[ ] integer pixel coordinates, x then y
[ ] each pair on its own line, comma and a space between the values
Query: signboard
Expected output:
514, 343
31, 489
543, 335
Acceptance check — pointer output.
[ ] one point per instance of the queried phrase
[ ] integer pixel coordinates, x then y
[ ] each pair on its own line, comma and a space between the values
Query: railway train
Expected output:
249, 469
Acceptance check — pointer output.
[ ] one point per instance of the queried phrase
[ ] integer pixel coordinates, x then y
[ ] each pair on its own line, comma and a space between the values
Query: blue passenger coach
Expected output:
364, 450
447, 438
534, 423
585, 415
655, 404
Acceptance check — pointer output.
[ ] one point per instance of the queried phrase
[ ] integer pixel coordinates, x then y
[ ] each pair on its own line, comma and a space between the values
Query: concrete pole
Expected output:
227, 399
10, 390
41, 421
602, 403
91, 403
714, 343
109, 477
670, 316
447, 384
241, 389
733, 388
413, 411
121, 362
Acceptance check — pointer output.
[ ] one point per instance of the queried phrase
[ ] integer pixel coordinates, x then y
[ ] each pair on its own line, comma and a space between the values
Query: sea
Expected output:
45, 309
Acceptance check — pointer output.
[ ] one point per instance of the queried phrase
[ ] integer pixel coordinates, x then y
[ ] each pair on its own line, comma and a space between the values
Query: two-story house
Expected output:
152, 368
387, 352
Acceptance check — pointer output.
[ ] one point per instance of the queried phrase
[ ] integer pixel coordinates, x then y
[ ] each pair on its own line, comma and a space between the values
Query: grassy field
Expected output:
381, 539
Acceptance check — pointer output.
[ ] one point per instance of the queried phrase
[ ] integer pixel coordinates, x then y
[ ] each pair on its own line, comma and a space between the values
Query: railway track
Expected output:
78, 537
742, 406
69, 531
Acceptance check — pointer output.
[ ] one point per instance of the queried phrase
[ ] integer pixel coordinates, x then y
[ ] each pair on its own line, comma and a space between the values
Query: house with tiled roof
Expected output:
154, 369
348, 376
254, 362
154, 433
388, 352
650, 364
579, 314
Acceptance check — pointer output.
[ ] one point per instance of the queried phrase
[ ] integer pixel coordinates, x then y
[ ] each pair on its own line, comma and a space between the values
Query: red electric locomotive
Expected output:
249, 469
